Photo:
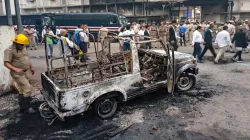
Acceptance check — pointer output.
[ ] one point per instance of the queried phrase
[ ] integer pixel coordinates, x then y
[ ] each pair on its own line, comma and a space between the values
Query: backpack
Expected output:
77, 39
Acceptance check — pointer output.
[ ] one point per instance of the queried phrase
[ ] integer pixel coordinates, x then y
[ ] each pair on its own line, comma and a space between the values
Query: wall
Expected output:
12, 5
6, 35
213, 13
244, 5
1, 7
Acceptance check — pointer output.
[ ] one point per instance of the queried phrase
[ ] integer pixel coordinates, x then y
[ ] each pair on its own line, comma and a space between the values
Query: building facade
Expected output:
1, 7
240, 9
135, 10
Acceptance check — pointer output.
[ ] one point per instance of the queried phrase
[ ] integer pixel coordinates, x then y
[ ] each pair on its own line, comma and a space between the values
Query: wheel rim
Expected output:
184, 83
106, 106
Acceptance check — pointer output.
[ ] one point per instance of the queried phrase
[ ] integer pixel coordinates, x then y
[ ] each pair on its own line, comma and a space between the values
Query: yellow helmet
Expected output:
21, 39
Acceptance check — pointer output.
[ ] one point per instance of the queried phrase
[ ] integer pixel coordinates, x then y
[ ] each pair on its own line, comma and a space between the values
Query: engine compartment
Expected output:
153, 66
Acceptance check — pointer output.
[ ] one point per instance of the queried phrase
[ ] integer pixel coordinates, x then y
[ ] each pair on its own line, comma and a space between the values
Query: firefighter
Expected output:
16, 59
163, 32
103, 32
154, 34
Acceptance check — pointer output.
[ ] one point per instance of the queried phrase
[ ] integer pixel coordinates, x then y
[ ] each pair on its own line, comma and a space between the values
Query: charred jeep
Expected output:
112, 78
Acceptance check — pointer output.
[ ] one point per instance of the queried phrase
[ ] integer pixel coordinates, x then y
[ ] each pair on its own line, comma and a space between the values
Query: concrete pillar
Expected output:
7, 34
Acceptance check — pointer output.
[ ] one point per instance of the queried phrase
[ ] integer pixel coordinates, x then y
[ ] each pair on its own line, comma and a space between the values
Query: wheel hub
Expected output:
184, 82
106, 106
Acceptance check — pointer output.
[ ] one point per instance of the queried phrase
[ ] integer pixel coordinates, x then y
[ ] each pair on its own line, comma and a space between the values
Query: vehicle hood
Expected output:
179, 56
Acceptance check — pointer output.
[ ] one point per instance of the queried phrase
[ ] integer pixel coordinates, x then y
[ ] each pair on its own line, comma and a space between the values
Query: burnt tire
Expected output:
185, 82
105, 107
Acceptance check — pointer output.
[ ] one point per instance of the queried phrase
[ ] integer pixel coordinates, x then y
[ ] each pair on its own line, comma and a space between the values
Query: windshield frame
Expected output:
123, 20
48, 21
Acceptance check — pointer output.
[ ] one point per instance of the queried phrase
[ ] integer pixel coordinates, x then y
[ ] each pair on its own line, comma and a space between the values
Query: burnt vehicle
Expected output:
112, 78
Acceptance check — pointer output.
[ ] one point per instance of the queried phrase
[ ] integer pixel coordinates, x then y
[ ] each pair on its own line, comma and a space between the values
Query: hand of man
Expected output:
19, 71
32, 71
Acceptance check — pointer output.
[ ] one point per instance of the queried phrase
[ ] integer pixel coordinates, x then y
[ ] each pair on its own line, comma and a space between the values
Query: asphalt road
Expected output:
217, 109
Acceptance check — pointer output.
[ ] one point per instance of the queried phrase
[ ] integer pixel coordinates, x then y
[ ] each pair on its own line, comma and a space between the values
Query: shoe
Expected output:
233, 59
216, 62
240, 61
35, 48
200, 61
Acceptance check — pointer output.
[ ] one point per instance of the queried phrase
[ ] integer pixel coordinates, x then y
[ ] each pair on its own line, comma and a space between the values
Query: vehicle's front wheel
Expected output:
185, 82
105, 107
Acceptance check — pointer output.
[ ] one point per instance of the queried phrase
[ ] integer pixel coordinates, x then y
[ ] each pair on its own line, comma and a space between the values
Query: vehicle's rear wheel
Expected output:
185, 82
105, 107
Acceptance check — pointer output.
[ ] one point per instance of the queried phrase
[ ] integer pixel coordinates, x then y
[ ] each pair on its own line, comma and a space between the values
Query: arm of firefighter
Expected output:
12, 68
7, 59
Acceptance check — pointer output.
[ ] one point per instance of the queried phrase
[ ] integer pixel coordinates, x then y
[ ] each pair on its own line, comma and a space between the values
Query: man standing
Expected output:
81, 39
182, 32
240, 43
163, 32
16, 59
154, 34
35, 36
103, 33
29, 33
231, 30
58, 31
197, 42
223, 40
172, 35
209, 42
189, 30
43, 33
87, 31
245, 24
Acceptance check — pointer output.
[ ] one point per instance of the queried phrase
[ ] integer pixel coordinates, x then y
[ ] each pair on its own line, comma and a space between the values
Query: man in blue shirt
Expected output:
182, 31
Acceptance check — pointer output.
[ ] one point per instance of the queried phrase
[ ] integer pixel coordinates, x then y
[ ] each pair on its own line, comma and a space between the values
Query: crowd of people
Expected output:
202, 36
230, 36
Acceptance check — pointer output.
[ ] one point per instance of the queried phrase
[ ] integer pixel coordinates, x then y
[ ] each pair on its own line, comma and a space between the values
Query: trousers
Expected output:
197, 50
238, 52
220, 53
183, 38
24, 88
49, 49
208, 47
23, 82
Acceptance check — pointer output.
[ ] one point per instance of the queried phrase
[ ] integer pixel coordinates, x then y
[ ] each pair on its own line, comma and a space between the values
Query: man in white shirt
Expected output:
43, 33
29, 33
126, 42
58, 31
223, 40
197, 42
35, 36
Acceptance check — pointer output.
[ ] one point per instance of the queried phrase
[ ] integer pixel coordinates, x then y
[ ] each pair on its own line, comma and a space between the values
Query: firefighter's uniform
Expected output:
163, 33
154, 34
20, 59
